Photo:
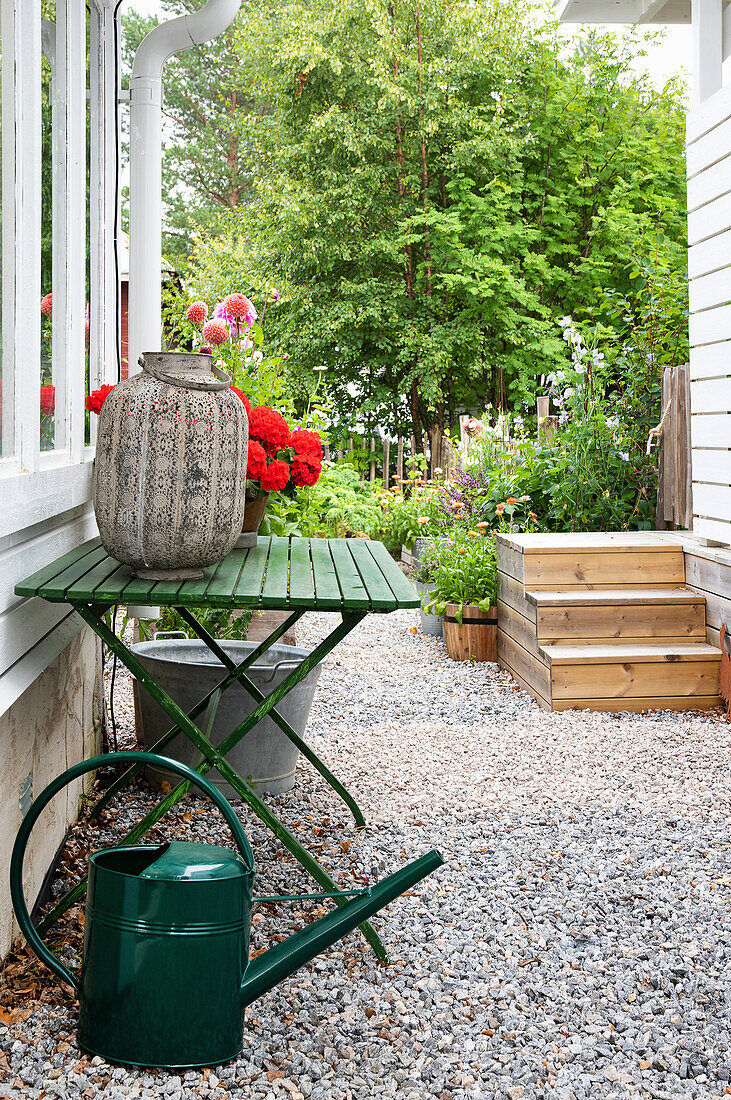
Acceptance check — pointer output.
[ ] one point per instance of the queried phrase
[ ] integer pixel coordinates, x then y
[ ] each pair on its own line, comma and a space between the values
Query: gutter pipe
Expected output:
145, 184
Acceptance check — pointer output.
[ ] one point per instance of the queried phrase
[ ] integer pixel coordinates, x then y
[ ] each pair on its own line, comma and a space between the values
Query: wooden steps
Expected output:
603, 622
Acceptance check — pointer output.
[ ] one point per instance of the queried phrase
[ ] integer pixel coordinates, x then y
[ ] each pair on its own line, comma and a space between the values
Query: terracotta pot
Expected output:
256, 505
170, 469
475, 639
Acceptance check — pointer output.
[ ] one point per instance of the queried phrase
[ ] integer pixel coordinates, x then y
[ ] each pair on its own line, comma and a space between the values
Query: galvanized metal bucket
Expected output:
187, 670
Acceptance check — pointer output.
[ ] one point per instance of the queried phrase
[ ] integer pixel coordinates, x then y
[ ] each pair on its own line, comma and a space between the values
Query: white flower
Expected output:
579, 368
624, 456
568, 392
565, 322
612, 421
598, 357
563, 418
560, 375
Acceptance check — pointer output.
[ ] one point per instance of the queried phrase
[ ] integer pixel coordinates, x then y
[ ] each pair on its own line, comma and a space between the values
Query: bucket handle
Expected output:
39, 804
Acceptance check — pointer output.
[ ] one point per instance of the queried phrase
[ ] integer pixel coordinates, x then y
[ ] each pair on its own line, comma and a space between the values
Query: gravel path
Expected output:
576, 946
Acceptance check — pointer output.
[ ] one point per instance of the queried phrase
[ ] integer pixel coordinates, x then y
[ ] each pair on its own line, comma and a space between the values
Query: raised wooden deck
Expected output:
603, 622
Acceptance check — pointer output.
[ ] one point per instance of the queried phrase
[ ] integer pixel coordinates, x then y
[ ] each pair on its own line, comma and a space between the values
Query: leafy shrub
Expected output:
463, 570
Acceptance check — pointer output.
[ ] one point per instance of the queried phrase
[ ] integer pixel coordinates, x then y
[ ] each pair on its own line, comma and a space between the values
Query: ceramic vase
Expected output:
170, 469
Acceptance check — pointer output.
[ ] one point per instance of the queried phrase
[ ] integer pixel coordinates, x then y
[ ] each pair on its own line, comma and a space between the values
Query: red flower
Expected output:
48, 399
47, 305
96, 399
275, 476
197, 312
215, 332
306, 469
268, 427
307, 443
242, 396
256, 462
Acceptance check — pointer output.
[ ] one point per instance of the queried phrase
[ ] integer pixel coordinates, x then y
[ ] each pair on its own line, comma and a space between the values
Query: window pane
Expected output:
52, 410
7, 410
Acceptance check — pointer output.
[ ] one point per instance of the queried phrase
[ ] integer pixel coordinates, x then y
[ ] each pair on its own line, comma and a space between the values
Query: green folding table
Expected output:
347, 577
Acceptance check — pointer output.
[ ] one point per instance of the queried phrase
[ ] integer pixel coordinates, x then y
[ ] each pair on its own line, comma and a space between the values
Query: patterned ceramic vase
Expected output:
170, 470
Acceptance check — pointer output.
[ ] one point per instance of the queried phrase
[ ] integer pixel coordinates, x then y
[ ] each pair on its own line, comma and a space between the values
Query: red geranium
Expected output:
306, 443
268, 427
256, 462
275, 476
306, 469
48, 399
96, 399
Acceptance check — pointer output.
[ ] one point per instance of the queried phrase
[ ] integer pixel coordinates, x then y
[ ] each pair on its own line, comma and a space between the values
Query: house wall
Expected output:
55, 723
709, 270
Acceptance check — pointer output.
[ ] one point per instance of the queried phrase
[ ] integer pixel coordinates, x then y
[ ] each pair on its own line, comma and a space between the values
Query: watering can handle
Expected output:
39, 804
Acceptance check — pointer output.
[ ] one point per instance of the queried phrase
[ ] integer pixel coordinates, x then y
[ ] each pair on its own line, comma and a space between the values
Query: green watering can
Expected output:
166, 973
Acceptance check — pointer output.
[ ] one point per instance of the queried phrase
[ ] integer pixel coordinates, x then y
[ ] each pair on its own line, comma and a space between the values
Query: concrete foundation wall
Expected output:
54, 724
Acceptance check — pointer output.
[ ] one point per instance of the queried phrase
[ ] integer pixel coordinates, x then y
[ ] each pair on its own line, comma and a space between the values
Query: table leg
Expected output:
214, 757
200, 706
258, 697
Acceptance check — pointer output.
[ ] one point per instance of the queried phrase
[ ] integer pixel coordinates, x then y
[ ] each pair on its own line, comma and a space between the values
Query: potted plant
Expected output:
464, 573
430, 623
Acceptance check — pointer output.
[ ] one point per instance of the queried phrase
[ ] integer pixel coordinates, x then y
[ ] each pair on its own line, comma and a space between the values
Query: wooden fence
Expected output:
674, 489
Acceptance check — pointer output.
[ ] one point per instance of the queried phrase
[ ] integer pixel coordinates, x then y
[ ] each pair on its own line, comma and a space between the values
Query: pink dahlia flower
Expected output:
197, 313
47, 305
239, 308
274, 294
215, 332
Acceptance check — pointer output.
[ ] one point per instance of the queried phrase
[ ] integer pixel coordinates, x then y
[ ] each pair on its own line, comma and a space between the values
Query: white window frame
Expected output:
45, 497
35, 486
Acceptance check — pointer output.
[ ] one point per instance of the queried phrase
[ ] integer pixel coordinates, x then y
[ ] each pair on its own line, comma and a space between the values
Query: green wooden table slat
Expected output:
137, 590
402, 588
354, 594
301, 584
194, 593
112, 589
31, 584
382, 598
221, 588
327, 590
56, 589
275, 591
165, 593
85, 587
248, 587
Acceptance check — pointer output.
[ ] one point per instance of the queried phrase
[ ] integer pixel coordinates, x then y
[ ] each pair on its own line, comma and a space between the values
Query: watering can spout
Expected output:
266, 970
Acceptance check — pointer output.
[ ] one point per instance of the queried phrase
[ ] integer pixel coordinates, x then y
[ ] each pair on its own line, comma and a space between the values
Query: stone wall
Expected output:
54, 724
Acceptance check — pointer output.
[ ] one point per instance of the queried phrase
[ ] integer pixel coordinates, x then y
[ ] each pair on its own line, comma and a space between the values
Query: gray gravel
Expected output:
575, 946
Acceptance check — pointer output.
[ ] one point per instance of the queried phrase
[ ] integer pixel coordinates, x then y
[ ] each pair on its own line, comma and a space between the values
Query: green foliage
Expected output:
221, 624
440, 182
410, 516
463, 570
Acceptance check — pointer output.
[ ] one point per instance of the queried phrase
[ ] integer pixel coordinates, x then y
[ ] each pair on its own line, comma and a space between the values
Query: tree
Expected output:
207, 161
441, 181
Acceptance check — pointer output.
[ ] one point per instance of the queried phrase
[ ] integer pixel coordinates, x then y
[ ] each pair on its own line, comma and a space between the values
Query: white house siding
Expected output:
51, 726
709, 270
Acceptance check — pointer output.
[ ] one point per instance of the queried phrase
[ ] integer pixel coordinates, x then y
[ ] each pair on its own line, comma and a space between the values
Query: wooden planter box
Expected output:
475, 639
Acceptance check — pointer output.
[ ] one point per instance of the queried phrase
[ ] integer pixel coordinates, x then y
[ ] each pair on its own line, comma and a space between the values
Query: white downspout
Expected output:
145, 182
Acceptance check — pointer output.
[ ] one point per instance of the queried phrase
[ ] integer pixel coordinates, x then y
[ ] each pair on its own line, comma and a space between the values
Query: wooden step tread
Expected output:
592, 541
627, 654
614, 596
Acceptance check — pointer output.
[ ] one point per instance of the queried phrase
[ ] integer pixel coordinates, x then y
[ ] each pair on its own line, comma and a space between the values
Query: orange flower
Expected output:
462, 550
500, 508
533, 515
511, 500
412, 630
525, 498
475, 534
483, 524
